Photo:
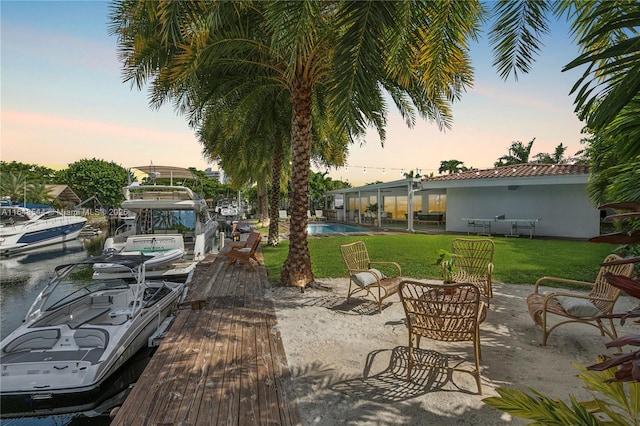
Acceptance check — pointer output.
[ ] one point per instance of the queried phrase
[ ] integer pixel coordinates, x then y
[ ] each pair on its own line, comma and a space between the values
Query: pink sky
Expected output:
78, 107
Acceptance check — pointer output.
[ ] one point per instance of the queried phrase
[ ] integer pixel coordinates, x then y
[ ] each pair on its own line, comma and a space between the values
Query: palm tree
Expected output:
556, 158
351, 52
39, 193
607, 95
246, 133
452, 166
13, 185
249, 136
518, 154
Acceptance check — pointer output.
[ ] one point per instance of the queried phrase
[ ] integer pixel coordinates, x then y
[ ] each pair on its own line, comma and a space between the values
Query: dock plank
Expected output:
222, 360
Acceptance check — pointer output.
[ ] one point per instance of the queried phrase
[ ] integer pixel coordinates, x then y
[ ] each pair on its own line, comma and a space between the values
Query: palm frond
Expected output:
516, 36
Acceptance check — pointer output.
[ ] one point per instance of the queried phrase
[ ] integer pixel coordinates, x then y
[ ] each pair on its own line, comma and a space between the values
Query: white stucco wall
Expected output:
564, 210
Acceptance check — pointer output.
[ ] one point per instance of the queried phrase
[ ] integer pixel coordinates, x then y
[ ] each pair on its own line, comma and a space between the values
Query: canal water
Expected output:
22, 277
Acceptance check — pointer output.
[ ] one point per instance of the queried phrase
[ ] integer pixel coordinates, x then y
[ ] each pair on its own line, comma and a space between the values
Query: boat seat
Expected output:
90, 338
36, 340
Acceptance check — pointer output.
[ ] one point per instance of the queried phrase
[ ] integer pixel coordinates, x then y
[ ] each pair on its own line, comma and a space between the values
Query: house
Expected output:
554, 195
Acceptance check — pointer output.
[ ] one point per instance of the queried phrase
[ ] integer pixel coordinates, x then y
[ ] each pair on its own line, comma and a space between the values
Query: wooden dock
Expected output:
222, 362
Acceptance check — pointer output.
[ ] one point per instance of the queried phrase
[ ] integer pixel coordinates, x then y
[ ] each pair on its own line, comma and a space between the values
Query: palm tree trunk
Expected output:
263, 211
274, 201
296, 270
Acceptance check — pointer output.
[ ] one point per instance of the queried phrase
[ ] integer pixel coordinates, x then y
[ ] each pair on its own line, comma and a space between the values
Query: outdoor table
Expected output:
517, 224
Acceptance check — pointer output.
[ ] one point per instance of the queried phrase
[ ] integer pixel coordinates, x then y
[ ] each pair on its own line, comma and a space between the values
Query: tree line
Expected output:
105, 180
268, 84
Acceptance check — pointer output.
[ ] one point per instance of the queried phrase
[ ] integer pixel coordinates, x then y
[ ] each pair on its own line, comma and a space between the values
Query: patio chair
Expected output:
283, 216
449, 313
473, 263
583, 308
244, 254
364, 277
241, 244
320, 216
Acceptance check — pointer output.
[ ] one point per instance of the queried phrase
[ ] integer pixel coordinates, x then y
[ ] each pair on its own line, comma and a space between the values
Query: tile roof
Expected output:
515, 171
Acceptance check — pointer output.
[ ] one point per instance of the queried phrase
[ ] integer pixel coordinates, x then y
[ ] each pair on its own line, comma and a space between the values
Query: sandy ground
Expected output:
347, 364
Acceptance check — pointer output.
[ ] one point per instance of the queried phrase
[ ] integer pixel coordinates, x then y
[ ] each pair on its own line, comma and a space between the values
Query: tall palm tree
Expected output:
249, 136
352, 52
246, 134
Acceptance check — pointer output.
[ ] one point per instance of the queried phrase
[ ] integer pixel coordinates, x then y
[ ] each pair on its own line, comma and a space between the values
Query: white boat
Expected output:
227, 207
171, 223
23, 229
79, 332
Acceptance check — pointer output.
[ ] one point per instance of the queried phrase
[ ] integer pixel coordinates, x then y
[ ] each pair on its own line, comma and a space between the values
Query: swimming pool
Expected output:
332, 228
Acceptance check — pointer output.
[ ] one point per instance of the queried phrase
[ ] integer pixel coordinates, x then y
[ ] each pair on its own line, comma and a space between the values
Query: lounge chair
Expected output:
578, 307
242, 244
450, 313
364, 277
244, 254
320, 216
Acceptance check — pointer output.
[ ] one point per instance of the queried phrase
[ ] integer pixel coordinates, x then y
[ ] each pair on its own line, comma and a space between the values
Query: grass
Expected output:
516, 260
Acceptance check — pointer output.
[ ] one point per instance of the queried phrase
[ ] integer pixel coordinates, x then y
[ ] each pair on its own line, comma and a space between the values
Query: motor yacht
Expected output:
170, 222
23, 229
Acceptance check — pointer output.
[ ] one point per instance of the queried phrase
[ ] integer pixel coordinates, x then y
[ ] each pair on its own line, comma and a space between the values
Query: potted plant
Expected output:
446, 260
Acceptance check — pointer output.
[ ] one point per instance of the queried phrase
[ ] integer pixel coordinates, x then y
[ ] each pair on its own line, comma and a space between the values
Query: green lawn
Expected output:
516, 260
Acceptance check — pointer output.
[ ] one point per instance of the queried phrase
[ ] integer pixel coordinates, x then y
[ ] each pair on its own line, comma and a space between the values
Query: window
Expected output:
437, 203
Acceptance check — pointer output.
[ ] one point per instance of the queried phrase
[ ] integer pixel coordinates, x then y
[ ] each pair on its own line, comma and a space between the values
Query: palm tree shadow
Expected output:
392, 385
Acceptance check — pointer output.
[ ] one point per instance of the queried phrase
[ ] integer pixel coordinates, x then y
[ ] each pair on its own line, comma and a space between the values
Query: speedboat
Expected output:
227, 207
171, 223
80, 331
24, 229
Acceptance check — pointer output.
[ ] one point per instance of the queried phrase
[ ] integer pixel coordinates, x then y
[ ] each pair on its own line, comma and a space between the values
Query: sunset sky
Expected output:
63, 100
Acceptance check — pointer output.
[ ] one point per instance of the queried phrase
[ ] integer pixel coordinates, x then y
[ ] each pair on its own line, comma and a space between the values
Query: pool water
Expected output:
332, 228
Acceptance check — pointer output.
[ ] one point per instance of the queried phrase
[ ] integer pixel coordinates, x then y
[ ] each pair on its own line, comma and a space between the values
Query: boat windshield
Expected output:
174, 220
75, 285
14, 215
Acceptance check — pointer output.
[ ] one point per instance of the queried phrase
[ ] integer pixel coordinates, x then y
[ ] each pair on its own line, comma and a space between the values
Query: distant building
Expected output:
218, 175
63, 195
